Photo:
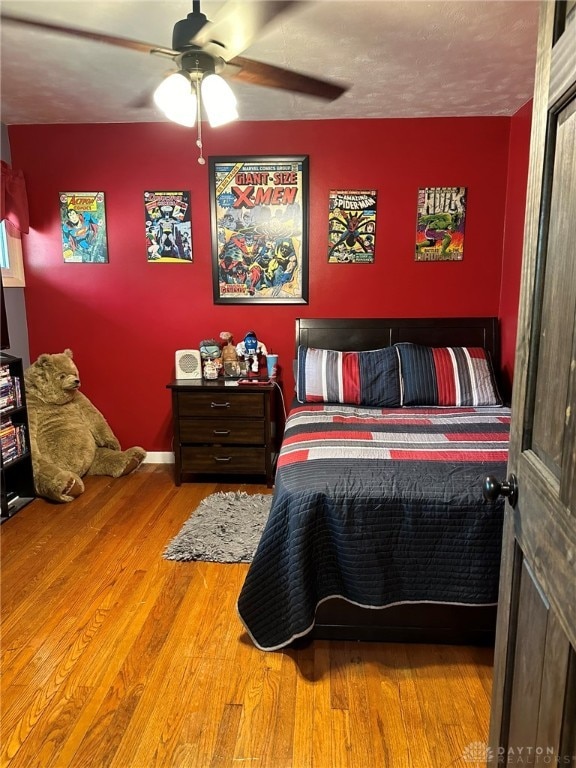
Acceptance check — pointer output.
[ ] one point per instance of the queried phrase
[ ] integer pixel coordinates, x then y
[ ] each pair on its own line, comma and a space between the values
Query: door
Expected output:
533, 720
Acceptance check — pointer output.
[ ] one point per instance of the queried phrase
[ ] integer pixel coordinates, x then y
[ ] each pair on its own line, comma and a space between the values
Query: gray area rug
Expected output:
224, 528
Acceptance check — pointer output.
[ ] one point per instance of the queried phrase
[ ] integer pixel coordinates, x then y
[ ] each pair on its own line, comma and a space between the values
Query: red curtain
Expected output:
13, 198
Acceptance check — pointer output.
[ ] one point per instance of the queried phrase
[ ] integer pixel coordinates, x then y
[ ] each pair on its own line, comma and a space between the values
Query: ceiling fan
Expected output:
207, 54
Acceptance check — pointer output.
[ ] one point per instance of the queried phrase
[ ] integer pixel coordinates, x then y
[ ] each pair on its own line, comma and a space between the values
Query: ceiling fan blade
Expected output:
258, 73
86, 34
237, 25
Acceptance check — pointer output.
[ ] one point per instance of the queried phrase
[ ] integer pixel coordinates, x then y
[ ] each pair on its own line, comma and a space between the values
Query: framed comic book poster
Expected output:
440, 225
259, 216
168, 227
83, 224
352, 226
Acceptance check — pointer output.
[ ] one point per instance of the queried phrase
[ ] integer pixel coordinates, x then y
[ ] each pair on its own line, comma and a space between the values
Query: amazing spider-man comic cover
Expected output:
352, 226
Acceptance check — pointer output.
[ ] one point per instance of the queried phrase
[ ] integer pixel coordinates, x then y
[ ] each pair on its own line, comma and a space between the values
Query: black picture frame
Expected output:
259, 228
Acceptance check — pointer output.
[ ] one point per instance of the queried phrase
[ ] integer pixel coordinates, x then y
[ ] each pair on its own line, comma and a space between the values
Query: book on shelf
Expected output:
10, 390
13, 442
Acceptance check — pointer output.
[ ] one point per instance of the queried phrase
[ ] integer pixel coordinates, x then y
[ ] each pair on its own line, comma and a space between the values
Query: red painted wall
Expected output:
125, 319
520, 126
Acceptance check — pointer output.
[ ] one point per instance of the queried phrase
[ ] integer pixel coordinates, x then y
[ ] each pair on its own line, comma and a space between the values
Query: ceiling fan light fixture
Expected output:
219, 100
184, 112
175, 98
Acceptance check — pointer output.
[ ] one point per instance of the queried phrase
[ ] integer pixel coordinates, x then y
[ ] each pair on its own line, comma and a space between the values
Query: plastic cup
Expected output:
272, 364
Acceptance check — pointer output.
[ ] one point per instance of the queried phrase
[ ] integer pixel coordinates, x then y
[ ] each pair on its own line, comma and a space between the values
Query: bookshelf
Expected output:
17, 480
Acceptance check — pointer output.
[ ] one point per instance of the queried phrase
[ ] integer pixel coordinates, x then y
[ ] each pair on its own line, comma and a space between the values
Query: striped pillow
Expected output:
357, 378
447, 376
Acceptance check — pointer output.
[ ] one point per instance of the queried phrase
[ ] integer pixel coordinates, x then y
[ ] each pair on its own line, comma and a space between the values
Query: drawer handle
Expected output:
221, 432
219, 405
222, 459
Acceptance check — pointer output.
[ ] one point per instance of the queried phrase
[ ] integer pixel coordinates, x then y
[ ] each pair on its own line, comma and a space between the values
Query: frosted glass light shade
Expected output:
175, 98
219, 100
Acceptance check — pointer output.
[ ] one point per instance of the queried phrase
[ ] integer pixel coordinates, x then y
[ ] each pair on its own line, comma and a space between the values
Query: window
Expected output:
11, 259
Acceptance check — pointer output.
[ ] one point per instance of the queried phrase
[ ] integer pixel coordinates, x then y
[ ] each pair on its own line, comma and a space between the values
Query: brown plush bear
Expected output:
69, 437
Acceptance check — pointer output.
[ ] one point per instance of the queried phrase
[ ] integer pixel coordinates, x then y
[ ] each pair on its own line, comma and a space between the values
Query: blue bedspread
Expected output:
380, 507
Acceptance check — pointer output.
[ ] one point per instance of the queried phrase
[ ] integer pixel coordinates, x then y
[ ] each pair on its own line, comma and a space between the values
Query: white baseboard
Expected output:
159, 457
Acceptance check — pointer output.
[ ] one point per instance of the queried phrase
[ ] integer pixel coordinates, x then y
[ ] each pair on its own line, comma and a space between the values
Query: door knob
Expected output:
494, 488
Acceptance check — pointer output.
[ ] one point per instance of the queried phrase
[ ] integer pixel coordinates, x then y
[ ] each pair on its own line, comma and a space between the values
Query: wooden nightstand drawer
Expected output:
221, 405
215, 432
223, 429
223, 459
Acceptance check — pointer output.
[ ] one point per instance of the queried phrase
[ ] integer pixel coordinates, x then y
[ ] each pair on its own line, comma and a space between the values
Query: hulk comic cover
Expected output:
440, 225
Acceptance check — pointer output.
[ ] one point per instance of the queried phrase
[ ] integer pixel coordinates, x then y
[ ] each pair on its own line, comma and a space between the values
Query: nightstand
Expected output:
222, 429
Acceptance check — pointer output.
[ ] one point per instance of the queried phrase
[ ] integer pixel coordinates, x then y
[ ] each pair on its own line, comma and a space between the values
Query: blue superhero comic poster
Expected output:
83, 223
259, 229
168, 224
440, 224
352, 226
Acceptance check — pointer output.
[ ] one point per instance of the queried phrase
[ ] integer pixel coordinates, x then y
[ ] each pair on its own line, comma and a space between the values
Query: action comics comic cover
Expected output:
83, 222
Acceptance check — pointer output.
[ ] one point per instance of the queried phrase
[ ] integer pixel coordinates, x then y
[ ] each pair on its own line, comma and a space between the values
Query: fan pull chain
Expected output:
201, 160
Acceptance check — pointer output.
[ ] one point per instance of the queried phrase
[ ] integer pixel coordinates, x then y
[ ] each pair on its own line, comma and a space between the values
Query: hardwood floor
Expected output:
114, 657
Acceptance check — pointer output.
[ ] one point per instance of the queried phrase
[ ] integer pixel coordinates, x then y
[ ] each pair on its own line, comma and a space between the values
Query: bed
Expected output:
378, 528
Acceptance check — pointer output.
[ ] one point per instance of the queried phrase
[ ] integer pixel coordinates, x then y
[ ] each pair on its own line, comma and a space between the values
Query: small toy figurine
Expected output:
229, 355
209, 349
210, 354
250, 348
210, 370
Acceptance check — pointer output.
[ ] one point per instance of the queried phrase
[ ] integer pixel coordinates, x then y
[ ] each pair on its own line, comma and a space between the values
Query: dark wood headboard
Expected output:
348, 334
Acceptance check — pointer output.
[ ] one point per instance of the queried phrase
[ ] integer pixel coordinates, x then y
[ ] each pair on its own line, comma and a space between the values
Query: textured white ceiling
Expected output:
400, 59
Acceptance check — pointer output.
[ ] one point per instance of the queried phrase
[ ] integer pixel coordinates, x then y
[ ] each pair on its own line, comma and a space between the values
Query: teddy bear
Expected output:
69, 437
